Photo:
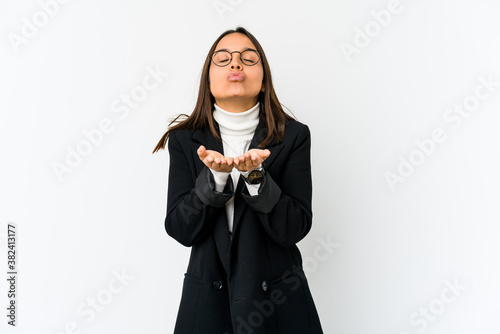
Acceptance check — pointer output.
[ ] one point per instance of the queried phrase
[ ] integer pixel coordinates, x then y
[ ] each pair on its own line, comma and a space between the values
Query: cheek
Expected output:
216, 79
258, 78
259, 75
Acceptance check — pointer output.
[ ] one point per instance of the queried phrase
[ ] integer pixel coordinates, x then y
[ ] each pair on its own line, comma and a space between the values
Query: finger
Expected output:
263, 154
248, 161
202, 152
256, 163
256, 160
251, 159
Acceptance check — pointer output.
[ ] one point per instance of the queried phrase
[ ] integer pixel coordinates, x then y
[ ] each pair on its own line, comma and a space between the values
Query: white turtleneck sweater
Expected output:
236, 130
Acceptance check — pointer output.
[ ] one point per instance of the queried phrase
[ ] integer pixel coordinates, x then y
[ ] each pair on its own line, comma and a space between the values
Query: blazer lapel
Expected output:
274, 147
221, 232
204, 137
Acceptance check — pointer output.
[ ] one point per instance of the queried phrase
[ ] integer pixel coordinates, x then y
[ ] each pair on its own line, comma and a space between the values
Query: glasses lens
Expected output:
222, 58
249, 57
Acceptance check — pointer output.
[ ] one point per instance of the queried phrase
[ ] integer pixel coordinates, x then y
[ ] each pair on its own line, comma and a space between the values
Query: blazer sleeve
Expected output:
285, 211
191, 204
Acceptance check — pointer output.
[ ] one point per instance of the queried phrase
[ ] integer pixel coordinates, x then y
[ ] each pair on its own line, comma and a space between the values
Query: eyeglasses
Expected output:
248, 57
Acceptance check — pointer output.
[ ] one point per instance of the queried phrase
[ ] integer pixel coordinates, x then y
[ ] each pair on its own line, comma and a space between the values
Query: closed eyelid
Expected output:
235, 50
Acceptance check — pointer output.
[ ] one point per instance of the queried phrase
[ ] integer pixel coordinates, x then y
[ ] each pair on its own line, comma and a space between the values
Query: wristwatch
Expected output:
254, 176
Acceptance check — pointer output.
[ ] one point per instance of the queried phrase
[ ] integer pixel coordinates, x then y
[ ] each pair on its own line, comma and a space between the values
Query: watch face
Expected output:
255, 177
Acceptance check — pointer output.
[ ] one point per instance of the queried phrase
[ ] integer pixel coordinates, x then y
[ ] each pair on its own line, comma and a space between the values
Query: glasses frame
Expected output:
231, 59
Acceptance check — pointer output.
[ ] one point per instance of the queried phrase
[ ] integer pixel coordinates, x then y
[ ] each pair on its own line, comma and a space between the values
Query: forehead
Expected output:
235, 42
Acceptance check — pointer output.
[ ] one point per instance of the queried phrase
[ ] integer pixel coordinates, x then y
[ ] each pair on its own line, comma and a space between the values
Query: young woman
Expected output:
239, 194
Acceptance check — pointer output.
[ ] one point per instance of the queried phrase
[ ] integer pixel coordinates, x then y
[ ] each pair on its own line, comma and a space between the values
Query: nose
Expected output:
236, 62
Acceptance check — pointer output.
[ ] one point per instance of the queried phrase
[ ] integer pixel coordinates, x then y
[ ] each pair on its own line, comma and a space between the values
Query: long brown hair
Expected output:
271, 111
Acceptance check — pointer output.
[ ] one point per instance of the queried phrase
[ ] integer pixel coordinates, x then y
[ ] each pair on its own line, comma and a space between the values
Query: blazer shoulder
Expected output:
295, 128
180, 135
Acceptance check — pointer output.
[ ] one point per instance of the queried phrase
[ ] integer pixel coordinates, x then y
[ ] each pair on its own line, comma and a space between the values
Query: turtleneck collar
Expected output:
237, 123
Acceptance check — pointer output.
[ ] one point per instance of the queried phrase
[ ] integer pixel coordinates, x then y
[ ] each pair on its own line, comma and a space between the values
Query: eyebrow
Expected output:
235, 50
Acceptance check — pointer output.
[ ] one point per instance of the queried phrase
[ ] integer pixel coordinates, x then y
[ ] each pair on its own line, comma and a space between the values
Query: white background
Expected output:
396, 247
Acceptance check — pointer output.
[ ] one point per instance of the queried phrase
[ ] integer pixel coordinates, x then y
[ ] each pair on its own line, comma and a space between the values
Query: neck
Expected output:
237, 105
237, 124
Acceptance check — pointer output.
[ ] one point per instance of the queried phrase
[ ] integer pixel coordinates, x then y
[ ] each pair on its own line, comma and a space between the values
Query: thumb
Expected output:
201, 151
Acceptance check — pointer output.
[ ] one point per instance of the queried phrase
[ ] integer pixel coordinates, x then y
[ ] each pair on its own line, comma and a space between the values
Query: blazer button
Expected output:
264, 285
217, 285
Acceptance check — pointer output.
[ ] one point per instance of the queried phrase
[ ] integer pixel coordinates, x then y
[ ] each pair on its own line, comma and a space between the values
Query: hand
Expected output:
251, 159
215, 160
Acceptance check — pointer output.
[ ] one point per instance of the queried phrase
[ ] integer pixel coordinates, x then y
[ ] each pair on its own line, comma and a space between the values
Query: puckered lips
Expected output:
235, 76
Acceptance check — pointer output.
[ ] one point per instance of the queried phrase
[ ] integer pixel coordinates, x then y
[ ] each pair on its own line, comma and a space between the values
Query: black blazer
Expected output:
254, 281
